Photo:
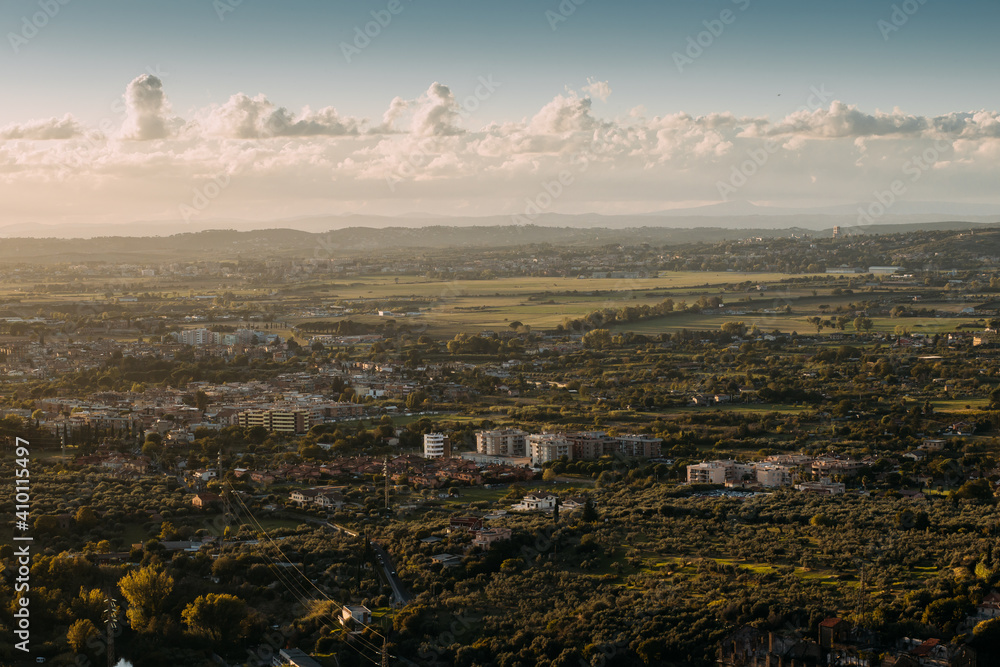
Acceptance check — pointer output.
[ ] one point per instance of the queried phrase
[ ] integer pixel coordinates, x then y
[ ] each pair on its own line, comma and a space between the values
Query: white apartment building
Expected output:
545, 447
436, 446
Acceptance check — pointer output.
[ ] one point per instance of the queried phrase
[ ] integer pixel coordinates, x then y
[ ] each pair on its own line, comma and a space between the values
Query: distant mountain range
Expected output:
733, 215
356, 241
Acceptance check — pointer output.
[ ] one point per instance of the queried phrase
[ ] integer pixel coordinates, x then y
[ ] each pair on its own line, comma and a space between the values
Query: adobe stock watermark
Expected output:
363, 35
697, 44
915, 168
31, 25
551, 191
223, 7
565, 9
758, 157
204, 196
899, 17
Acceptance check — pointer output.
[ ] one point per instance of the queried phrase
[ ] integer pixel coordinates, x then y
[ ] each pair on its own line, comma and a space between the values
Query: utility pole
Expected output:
386, 473
111, 621
385, 652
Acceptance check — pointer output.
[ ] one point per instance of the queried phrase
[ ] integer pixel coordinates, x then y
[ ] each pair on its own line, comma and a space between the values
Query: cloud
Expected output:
146, 110
435, 112
565, 113
599, 89
47, 129
843, 121
326, 161
245, 117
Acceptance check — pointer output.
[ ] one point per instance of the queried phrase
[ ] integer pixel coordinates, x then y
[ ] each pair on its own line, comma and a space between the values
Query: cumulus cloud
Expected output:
245, 117
329, 161
435, 112
46, 129
842, 121
565, 113
599, 89
146, 110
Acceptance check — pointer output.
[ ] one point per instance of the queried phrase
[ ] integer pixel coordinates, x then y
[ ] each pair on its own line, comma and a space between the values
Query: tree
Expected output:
81, 633
549, 475
85, 518
146, 591
415, 399
589, 511
217, 617
734, 328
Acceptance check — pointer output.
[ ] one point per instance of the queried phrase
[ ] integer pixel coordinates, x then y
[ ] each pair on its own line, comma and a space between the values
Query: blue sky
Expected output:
762, 64
942, 59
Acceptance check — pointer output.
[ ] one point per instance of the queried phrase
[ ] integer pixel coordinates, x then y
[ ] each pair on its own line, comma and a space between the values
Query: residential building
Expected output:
824, 487
645, 446
506, 442
590, 444
772, 474
484, 538
546, 447
357, 613
537, 501
291, 420
437, 446
294, 657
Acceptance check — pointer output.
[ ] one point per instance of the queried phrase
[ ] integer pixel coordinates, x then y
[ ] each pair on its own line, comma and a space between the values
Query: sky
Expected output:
195, 110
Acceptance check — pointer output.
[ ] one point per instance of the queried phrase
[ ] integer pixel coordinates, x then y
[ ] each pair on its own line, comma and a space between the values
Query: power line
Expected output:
296, 590
301, 596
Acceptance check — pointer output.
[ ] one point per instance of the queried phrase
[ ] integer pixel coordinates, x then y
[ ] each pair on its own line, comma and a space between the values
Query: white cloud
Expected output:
565, 113
245, 117
146, 110
435, 112
47, 129
599, 89
283, 163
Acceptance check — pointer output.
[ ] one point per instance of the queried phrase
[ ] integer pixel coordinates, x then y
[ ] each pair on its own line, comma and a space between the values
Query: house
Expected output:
357, 613
470, 523
833, 631
448, 560
294, 657
484, 538
326, 498
932, 444
823, 487
572, 503
535, 501
204, 499
989, 607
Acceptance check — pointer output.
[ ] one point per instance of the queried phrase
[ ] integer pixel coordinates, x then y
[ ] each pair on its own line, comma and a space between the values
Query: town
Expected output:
334, 452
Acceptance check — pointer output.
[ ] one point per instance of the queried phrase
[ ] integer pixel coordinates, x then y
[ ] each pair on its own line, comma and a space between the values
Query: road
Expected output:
400, 594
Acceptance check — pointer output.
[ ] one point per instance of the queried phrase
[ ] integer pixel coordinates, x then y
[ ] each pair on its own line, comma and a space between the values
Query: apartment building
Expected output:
772, 474
591, 444
437, 446
639, 445
276, 420
505, 442
546, 447
581, 445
